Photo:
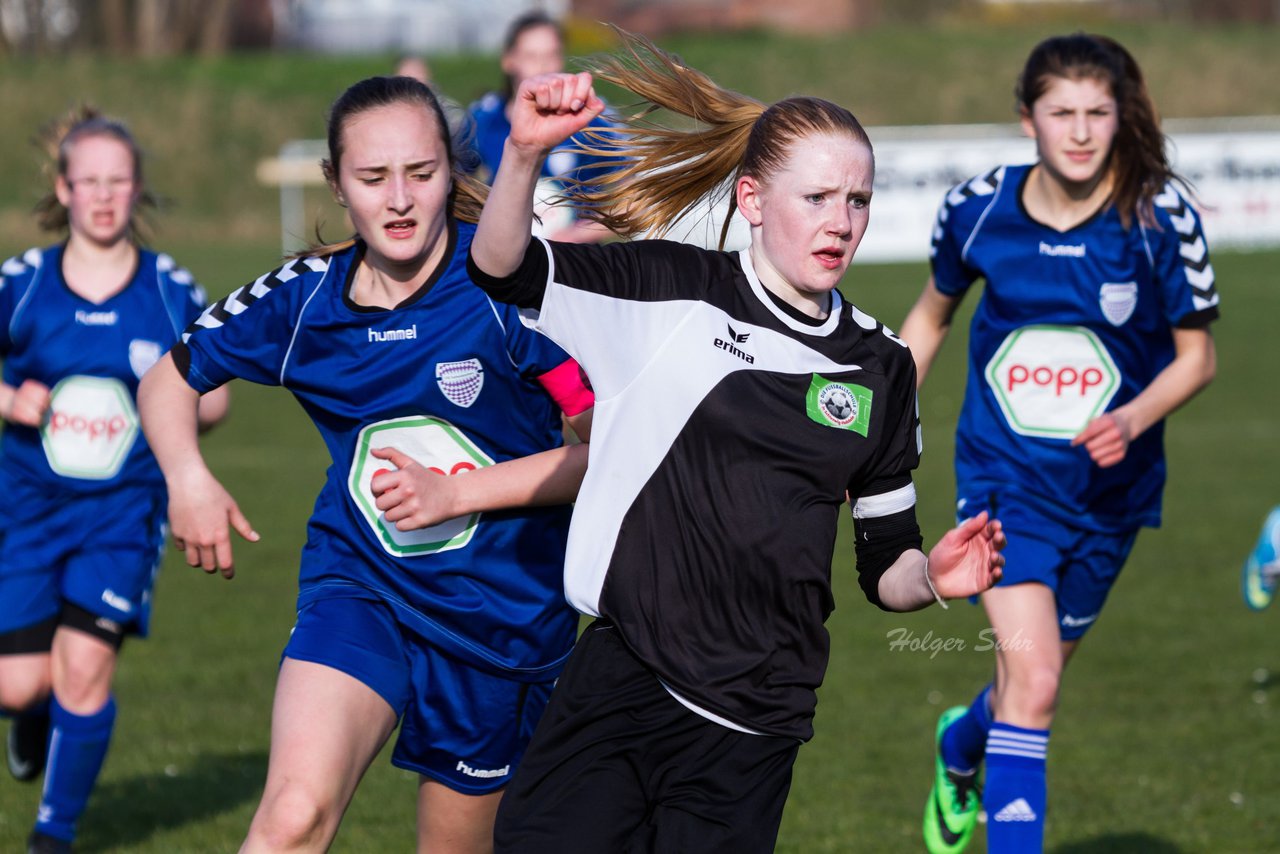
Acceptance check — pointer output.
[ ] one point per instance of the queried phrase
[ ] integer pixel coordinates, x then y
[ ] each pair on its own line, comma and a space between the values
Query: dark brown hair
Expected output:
467, 197
56, 140
531, 20
1138, 162
663, 172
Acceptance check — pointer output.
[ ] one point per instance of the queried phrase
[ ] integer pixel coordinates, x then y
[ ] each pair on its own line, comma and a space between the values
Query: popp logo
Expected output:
438, 446
100, 428
1063, 380
1051, 381
92, 425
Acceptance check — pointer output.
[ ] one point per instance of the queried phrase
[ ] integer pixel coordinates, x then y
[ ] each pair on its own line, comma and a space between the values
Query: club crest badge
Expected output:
143, 355
845, 406
1118, 301
460, 381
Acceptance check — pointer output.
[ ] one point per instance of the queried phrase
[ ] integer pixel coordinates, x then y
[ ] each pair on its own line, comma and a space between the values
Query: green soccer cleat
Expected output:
1262, 567
954, 799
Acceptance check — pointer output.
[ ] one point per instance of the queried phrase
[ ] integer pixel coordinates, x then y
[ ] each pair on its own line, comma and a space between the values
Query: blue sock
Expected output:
77, 747
1016, 791
965, 741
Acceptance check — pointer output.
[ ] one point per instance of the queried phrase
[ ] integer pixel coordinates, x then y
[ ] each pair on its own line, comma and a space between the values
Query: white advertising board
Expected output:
1233, 164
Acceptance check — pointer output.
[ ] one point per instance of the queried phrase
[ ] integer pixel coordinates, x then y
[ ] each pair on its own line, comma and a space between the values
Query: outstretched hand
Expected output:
550, 108
412, 496
967, 560
201, 516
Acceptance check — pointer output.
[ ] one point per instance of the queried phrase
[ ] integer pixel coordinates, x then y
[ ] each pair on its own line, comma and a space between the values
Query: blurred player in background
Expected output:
1262, 566
412, 604
82, 501
746, 401
1092, 328
535, 45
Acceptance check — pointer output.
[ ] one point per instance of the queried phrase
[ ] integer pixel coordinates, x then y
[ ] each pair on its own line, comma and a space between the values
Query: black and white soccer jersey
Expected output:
725, 437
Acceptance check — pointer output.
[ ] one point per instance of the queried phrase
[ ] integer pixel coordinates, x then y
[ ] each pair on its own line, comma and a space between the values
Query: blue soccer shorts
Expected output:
98, 551
461, 726
1080, 566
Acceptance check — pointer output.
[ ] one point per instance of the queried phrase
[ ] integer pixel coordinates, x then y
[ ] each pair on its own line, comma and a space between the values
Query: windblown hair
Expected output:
663, 172
467, 197
56, 139
1140, 168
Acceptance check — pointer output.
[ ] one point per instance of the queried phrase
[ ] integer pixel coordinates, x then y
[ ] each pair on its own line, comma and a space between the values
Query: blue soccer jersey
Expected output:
1071, 324
91, 356
448, 377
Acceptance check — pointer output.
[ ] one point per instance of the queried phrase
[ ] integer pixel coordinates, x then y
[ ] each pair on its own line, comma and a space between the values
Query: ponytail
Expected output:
665, 172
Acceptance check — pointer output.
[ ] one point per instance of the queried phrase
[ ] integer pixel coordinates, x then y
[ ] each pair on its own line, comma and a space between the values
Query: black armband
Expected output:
878, 542
526, 284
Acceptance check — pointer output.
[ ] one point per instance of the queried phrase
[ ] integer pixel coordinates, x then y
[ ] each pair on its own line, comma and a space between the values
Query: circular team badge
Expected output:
838, 404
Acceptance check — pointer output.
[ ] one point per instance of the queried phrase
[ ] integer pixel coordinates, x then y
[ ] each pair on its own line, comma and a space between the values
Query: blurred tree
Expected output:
130, 27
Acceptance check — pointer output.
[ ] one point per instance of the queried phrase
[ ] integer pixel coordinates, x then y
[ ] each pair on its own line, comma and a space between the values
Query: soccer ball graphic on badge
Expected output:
838, 404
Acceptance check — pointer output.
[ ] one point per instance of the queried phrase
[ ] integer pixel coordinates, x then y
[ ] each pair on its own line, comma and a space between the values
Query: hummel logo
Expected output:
394, 334
1019, 810
735, 338
484, 773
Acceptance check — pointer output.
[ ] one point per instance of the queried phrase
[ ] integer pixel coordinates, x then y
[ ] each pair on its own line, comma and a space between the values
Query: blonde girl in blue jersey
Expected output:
456, 637
1091, 330
82, 502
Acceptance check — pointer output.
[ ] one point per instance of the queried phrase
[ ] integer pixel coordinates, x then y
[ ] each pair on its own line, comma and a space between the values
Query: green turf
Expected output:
1165, 741
1167, 738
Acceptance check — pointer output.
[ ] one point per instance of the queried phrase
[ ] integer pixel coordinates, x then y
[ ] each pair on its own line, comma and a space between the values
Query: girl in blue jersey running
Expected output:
82, 502
435, 404
534, 44
1092, 328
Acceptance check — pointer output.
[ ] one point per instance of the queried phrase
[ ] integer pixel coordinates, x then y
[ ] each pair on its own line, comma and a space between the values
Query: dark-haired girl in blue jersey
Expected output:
435, 404
1092, 328
82, 502
534, 44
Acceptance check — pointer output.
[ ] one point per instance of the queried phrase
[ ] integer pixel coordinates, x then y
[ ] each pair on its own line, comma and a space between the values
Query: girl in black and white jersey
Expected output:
740, 401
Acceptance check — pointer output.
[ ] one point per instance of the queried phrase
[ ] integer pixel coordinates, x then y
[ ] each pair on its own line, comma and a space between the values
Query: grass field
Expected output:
1167, 738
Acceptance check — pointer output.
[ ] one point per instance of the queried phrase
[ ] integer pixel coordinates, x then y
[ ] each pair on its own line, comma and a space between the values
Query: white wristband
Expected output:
932, 589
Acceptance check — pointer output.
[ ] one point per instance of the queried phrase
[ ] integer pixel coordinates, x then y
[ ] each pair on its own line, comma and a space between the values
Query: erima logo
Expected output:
1068, 620
1019, 810
735, 338
394, 334
116, 601
483, 772
95, 318
1062, 249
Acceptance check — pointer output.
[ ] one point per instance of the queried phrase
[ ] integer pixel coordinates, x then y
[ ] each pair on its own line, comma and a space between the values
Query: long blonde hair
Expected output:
664, 172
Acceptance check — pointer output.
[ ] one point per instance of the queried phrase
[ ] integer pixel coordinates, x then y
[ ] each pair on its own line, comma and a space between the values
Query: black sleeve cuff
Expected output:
181, 359
1198, 319
526, 284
